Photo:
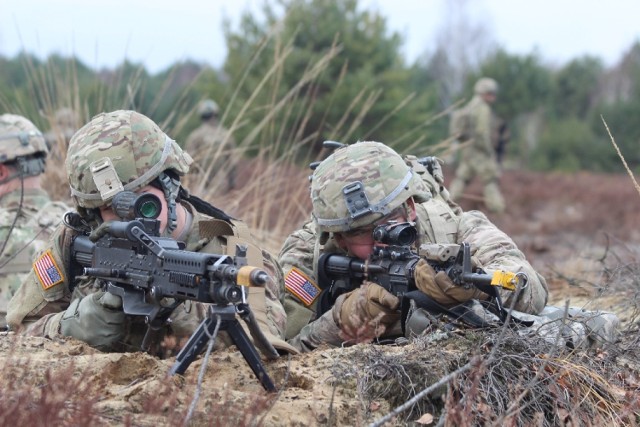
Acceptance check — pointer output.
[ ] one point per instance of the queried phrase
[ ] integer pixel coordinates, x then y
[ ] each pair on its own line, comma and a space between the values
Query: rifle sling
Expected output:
325, 302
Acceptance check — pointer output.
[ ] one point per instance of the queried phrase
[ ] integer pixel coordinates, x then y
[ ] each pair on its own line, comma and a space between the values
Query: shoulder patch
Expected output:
298, 284
47, 270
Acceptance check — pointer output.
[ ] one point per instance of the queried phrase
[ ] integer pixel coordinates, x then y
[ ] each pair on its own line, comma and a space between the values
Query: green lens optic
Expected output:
149, 209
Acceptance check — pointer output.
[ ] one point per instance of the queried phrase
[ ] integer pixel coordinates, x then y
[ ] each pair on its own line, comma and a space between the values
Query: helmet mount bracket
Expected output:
106, 178
356, 199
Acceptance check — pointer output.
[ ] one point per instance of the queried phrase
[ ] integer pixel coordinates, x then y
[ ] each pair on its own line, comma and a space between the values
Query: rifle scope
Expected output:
129, 205
396, 234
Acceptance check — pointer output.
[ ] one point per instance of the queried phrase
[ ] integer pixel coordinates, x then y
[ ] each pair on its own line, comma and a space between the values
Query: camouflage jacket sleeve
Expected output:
323, 330
275, 295
494, 250
45, 289
296, 257
304, 330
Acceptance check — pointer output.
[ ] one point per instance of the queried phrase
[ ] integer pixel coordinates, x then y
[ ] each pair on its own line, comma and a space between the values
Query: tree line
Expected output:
318, 70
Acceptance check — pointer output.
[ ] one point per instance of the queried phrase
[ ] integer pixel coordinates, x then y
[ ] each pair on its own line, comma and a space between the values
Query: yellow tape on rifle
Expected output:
504, 279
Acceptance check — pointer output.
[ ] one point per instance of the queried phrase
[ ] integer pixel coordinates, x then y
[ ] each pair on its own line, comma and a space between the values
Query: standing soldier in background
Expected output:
473, 125
65, 124
211, 145
27, 215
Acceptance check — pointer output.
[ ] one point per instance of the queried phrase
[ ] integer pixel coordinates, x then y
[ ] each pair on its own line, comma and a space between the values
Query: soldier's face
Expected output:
359, 242
489, 97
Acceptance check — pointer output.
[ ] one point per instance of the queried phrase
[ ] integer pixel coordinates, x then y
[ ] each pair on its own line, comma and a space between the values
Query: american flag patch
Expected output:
47, 270
299, 285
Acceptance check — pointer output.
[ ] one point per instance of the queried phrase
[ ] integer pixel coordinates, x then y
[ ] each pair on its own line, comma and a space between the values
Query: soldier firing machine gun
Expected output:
146, 271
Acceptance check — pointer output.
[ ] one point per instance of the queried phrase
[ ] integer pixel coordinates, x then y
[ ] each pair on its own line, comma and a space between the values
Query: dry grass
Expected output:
49, 398
46, 384
271, 197
506, 380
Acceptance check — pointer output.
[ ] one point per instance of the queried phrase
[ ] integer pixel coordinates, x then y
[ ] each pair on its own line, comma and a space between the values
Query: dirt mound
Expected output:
65, 382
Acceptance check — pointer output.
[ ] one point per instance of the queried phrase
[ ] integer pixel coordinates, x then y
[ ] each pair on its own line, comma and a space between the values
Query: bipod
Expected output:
228, 322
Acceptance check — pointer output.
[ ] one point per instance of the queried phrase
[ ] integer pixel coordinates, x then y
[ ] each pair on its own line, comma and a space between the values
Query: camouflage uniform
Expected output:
37, 219
211, 145
45, 301
27, 216
438, 221
573, 327
479, 157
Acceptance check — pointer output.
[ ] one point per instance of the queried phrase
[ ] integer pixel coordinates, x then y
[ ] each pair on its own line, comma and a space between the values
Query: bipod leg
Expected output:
196, 343
241, 340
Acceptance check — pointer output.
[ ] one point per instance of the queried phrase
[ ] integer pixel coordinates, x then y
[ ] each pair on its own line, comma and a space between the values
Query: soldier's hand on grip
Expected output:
366, 312
440, 287
96, 319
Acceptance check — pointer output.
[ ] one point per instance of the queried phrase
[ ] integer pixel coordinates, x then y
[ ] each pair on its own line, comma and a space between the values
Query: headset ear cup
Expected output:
30, 166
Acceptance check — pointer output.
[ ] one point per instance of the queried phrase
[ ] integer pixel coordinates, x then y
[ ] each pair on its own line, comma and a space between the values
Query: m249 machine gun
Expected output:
153, 275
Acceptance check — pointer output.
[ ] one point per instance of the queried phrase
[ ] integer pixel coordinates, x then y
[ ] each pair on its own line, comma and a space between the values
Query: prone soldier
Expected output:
358, 188
126, 151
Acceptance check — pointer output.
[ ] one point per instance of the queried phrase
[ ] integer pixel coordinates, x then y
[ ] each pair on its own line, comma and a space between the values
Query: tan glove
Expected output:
365, 313
440, 287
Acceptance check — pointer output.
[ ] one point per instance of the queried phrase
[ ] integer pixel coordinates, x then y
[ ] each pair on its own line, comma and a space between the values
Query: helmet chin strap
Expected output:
170, 187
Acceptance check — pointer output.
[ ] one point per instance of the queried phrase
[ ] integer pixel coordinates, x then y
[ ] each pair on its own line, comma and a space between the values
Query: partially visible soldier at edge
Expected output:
211, 145
392, 191
27, 214
474, 124
58, 303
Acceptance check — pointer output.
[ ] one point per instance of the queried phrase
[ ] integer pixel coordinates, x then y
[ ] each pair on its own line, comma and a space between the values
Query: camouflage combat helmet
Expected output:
208, 108
485, 85
121, 150
359, 184
19, 138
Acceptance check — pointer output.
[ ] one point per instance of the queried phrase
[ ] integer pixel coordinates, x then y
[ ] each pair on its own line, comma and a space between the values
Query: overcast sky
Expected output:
158, 33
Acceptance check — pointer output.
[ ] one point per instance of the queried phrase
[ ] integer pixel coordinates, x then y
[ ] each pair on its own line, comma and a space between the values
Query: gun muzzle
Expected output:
509, 280
252, 276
